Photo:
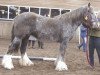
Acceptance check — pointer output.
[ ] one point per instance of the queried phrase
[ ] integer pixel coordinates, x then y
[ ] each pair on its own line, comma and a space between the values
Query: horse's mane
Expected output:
73, 15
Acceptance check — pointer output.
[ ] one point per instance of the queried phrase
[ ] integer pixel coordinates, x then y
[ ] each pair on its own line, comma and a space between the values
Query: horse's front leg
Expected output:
60, 64
7, 59
24, 61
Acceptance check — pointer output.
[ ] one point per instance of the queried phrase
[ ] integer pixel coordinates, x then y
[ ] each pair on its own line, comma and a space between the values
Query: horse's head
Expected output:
89, 16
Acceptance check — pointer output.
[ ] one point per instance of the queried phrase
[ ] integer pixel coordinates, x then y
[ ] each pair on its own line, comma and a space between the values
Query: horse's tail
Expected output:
12, 34
14, 44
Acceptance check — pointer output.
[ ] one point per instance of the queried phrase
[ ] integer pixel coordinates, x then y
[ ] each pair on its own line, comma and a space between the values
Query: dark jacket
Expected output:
95, 31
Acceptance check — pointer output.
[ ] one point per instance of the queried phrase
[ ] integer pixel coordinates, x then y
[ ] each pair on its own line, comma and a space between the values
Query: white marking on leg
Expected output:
7, 62
25, 61
60, 65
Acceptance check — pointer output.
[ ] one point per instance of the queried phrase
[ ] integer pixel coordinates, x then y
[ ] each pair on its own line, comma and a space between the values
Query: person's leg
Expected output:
33, 42
91, 51
84, 44
81, 44
29, 42
97, 43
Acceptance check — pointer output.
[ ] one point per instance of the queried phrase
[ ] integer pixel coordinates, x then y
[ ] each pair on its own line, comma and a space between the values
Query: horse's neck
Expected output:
75, 26
74, 22
74, 17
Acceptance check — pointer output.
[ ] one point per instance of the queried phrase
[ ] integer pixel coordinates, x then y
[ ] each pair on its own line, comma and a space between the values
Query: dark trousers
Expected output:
94, 43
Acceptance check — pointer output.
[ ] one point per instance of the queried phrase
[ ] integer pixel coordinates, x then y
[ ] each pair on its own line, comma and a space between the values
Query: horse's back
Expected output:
25, 17
23, 23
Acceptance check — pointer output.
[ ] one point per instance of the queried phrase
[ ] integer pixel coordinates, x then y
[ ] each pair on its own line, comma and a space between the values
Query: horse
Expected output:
61, 28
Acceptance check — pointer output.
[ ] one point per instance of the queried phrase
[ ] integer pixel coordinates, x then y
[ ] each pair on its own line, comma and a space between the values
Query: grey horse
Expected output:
61, 28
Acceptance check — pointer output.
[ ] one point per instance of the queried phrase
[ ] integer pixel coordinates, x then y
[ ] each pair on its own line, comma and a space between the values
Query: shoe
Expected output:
91, 66
79, 47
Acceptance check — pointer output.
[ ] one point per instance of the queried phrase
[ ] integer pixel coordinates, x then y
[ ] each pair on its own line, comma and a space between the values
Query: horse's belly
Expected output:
49, 35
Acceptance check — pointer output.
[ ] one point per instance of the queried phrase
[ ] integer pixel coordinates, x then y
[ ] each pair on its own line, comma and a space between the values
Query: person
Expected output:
94, 42
32, 40
83, 34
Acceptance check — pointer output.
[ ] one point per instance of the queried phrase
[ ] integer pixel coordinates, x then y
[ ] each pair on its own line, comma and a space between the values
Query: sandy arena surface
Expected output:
75, 60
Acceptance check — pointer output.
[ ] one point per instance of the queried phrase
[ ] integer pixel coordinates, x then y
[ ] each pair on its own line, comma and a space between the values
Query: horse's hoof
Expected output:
25, 63
9, 67
61, 66
7, 62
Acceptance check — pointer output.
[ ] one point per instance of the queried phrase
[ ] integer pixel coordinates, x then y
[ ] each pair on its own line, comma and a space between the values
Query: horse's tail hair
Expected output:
12, 38
12, 34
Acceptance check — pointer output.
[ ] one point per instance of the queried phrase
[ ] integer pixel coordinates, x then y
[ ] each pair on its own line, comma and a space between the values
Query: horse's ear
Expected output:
89, 4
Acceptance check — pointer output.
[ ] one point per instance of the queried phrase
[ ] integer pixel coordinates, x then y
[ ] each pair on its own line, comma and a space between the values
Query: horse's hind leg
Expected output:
7, 61
60, 64
40, 44
24, 61
40, 41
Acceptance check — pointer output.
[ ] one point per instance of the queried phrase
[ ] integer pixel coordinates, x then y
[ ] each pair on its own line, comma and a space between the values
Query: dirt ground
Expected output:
75, 60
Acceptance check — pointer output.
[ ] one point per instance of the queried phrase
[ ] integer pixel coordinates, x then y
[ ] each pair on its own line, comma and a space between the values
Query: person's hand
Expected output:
96, 25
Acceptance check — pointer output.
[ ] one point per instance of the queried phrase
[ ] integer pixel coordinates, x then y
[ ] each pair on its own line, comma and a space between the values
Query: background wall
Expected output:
5, 29
68, 4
